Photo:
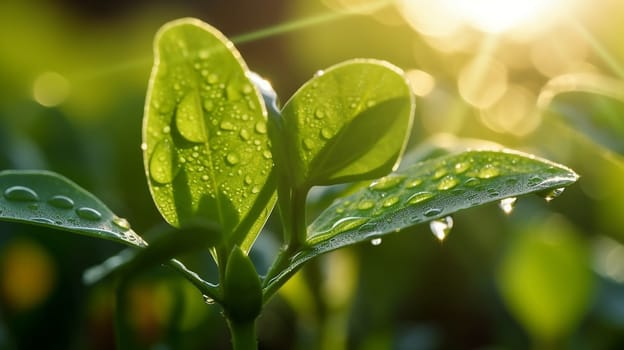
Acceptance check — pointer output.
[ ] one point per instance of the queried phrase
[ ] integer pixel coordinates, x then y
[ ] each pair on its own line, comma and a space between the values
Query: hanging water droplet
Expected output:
441, 227
226, 125
376, 241
261, 127
163, 165
21, 193
144, 146
89, 213
208, 300
189, 118
489, 171
61, 202
387, 182
419, 197
232, 159
554, 194
447, 182
366, 204
507, 205
121, 223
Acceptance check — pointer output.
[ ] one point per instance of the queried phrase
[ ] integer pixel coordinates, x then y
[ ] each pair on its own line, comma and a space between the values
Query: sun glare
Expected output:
489, 16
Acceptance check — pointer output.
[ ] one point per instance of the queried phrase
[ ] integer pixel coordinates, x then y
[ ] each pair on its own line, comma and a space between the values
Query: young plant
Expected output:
219, 154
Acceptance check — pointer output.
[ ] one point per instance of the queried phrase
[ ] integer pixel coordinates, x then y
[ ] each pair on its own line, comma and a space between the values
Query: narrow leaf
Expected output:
425, 191
206, 149
348, 123
48, 199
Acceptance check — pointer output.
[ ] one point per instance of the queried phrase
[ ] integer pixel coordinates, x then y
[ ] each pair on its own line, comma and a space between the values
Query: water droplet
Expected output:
267, 154
203, 54
471, 182
261, 127
413, 183
326, 133
226, 125
255, 189
208, 300
205, 177
366, 204
447, 182
163, 166
89, 213
247, 89
212, 78
144, 146
370, 103
62, 202
347, 223
419, 197
232, 159
432, 212
554, 194
487, 172
376, 241
507, 205
320, 113
166, 129
43, 220
441, 227
248, 180
308, 144
387, 182
121, 223
244, 134
390, 201
209, 106
535, 180
21, 193
319, 73
189, 118
439, 173
461, 167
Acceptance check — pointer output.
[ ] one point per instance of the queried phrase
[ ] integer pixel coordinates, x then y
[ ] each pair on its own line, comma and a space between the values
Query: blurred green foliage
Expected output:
91, 61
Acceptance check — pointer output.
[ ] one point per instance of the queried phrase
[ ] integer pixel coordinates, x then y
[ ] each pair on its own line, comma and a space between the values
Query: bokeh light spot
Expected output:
50, 89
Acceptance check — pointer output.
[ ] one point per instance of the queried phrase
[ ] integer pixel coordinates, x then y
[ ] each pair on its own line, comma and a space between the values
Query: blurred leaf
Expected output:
426, 191
545, 279
205, 136
347, 123
48, 199
591, 104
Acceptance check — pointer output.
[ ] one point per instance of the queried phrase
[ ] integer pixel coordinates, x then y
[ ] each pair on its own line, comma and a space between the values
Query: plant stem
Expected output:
243, 335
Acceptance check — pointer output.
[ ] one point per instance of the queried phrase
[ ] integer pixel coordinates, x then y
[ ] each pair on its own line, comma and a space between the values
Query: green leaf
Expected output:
206, 149
545, 279
426, 191
241, 288
349, 123
48, 199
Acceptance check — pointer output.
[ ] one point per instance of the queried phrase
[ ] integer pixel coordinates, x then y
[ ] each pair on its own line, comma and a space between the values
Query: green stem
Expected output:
243, 335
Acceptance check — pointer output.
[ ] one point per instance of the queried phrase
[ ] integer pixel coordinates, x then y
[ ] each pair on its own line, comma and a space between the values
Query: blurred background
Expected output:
542, 76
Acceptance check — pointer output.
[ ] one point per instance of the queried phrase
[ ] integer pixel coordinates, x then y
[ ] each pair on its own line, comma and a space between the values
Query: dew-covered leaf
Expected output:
348, 123
48, 199
206, 149
426, 191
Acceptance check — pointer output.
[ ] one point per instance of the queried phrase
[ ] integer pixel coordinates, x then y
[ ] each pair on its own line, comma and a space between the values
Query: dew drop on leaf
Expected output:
487, 172
43, 220
244, 134
366, 204
89, 213
163, 165
386, 182
439, 173
472, 182
121, 223
376, 241
212, 79
507, 205
413, 183
261, 127
461, 167
308, 144
226, 125
21, 193
390, 201
232, 159
441, 227
447, 182
189, 119
62, 202
419, 197
320, 113
433, 212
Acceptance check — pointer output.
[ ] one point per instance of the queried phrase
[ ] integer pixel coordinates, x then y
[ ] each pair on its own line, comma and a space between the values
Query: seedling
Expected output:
219, 154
